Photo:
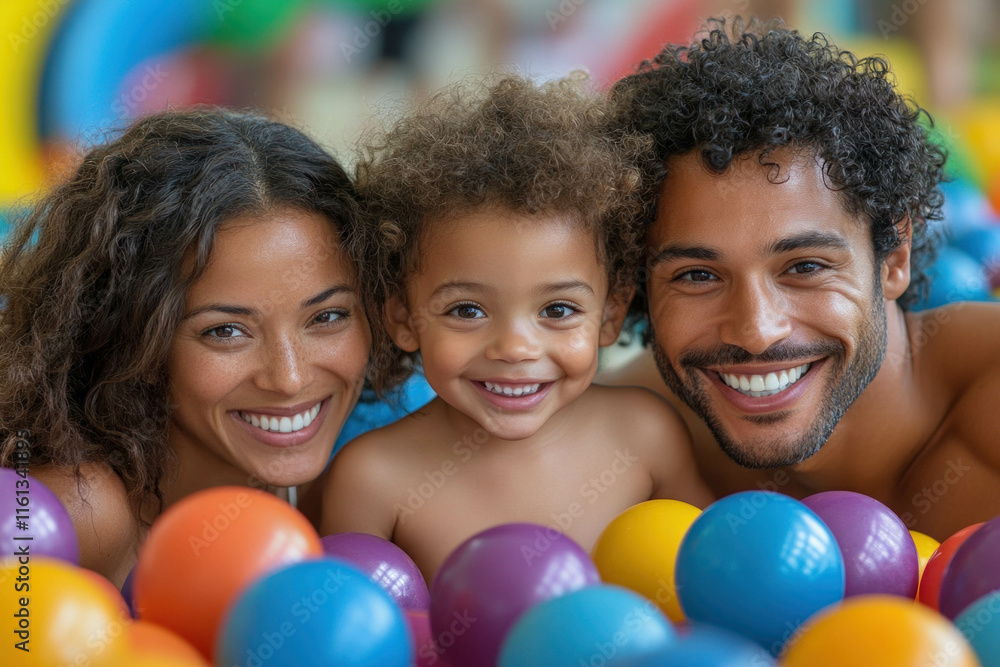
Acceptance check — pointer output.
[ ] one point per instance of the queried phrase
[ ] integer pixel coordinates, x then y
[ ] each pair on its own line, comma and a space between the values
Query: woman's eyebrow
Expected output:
230, 309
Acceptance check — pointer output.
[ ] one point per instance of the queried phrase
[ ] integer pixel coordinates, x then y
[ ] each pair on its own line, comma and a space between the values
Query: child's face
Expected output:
508, 314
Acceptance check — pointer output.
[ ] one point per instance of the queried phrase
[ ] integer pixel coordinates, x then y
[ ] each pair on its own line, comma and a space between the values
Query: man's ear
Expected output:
401, 324
896, 266
615, 310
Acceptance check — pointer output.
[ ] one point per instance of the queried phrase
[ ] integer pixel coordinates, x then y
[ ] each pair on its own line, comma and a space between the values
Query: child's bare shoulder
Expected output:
637, 412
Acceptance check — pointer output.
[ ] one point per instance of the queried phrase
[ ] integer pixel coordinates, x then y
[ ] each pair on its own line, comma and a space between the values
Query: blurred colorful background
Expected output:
73, 71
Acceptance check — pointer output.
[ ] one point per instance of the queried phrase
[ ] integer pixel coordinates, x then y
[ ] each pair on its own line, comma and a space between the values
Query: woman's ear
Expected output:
615, 310
401, 325
896, 266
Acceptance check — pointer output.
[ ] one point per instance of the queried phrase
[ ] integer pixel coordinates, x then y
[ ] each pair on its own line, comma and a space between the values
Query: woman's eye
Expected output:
223, 332
330, 316
558, 311
467, 311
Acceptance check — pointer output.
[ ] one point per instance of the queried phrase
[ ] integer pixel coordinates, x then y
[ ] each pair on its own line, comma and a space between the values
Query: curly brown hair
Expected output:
508, 143
95, 278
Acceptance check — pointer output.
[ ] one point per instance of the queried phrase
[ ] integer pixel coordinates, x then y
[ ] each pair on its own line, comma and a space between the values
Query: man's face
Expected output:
767, 308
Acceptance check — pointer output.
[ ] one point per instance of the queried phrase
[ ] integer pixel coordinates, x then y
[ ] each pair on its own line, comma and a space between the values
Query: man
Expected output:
794, 189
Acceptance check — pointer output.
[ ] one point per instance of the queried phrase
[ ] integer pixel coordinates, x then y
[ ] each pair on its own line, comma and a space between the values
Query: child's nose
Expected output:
513, 343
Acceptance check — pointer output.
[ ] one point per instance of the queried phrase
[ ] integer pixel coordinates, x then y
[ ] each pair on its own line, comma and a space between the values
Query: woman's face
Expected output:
270, 355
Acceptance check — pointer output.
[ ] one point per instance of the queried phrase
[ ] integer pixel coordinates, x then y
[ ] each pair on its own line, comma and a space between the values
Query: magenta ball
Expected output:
385, 563
423, 643
495, 576
974, 570
879, 554
43, 519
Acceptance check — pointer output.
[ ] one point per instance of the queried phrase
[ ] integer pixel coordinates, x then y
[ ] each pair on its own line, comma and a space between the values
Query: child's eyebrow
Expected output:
461, 286
567, 286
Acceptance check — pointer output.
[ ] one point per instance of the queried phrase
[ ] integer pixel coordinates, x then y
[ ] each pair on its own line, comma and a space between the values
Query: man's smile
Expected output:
764, 384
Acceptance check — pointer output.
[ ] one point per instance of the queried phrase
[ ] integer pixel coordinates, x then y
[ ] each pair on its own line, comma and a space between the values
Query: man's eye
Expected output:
697, 276
805, 267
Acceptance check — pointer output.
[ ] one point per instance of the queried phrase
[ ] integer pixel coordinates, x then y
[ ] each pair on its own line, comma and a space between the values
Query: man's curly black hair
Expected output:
753, 88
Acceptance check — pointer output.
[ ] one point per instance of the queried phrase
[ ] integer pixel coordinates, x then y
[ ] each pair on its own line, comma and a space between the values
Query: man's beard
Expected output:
846, 382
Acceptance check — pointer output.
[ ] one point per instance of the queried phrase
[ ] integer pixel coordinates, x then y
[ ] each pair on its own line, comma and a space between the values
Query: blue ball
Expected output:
982, 245
759, 564
319, 612
980, 623
965, 207
596, 625
955, 276
707, 646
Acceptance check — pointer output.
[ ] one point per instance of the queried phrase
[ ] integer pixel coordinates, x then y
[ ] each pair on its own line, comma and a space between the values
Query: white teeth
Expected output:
764, 385
512, 390
282, 424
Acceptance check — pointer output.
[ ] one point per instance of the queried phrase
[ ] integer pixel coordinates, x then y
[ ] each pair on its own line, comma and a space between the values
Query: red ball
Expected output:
930, 583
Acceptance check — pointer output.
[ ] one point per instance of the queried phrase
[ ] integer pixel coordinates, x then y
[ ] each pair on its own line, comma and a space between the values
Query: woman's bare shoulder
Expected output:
107, 529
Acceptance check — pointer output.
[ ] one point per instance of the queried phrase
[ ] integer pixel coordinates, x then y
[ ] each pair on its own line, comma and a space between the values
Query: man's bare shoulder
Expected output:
107, 529
957, 343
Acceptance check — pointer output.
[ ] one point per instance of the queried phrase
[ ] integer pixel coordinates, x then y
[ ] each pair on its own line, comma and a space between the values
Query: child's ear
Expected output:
615, 310
896, 266
400, 324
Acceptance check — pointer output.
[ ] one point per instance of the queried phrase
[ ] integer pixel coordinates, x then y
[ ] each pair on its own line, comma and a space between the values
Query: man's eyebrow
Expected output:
674, 251
229, 309
567, 286
817, 240
462, 286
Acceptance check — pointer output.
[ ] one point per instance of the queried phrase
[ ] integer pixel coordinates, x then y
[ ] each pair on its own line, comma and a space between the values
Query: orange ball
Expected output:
149, 640
879, 631
206, 549
930, 582
64, 615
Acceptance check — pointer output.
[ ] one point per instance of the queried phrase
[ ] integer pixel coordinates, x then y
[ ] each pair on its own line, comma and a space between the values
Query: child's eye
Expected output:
558, 311
224, 333
467, 311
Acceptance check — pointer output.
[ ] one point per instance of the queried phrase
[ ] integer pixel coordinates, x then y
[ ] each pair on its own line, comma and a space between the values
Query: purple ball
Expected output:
974, 570
45, 520
495, 576
879, 554
385, 564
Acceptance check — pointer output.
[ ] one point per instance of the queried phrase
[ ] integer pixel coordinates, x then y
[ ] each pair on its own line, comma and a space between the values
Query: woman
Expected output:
182, 313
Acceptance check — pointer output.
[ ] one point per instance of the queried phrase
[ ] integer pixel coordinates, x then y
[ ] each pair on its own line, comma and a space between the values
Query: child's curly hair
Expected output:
753, 87
508, 143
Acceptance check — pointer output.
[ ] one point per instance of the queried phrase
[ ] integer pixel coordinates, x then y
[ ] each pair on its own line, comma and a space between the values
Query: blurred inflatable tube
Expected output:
26, 26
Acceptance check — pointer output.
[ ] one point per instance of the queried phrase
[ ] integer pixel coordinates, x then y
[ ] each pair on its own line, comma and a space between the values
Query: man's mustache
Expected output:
732, 355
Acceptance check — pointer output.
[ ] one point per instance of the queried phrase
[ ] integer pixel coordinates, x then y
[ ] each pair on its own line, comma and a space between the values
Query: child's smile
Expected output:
508, 312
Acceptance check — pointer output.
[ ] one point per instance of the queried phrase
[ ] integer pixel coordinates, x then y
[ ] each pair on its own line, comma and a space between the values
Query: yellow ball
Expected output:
638, 550
926, 546
879, 631
66, 616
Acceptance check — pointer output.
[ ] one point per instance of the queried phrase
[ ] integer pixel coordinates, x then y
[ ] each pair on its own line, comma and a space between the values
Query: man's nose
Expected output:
756, 316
